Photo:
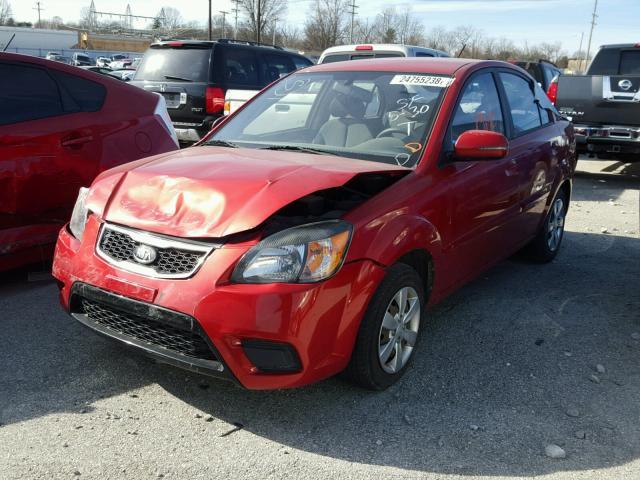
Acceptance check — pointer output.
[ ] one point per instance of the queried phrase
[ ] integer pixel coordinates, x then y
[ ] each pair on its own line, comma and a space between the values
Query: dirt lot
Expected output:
524, 357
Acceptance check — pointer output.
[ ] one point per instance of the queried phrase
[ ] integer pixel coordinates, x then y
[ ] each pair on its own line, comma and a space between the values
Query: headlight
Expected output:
79, 215
305, 254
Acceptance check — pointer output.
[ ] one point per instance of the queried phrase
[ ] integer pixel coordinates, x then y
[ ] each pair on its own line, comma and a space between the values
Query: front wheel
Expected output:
389, 330
546, 244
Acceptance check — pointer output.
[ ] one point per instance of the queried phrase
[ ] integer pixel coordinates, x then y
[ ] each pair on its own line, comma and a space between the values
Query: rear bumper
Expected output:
607, 139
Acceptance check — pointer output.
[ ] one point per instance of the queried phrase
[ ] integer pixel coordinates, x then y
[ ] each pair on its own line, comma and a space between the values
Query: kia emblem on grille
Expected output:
625, 84
144, 254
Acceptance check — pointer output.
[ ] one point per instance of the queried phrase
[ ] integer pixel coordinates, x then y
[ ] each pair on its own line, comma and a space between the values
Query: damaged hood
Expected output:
213, 192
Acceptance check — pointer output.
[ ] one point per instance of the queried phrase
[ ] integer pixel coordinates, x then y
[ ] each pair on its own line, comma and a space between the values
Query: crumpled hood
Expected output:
213, 192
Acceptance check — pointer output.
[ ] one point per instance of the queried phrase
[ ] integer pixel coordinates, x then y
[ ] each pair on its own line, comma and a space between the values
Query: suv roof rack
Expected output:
248, 42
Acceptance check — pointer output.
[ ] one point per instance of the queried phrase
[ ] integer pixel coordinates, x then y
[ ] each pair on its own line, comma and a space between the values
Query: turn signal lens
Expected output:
324, 257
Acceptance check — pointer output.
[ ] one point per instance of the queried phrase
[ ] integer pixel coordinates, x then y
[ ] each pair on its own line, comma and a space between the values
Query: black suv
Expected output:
193, 76
542, 70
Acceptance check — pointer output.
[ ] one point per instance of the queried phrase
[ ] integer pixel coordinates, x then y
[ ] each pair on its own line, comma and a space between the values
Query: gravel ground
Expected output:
523, 358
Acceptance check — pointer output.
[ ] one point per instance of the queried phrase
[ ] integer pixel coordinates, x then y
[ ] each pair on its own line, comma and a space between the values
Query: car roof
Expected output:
226, 41
393, 47
434, 65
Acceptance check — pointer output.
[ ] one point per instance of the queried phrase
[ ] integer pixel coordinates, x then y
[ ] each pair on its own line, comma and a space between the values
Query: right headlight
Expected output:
79, 215
305, 254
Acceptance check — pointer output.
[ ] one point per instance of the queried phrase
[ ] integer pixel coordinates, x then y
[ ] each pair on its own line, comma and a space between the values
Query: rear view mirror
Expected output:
481, 145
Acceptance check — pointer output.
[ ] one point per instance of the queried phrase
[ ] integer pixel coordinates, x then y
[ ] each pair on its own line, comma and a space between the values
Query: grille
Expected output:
120, 246
184, 342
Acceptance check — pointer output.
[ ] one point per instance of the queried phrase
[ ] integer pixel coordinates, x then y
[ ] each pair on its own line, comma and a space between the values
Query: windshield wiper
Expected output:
181, 79
316, 151
221, 143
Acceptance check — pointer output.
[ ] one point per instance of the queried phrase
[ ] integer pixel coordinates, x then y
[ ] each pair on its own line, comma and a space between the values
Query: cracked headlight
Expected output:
79, 215
305, 254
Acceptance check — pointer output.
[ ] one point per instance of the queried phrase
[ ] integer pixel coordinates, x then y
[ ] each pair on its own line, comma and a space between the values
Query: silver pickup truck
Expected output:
604, 104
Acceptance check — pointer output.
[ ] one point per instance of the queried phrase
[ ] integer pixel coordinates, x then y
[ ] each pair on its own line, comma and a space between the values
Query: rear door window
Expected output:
89, 96
27, 93
240, 67
173, 64
630, 62
525, 110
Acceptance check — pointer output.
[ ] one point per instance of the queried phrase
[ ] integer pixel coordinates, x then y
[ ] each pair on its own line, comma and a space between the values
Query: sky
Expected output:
531, 21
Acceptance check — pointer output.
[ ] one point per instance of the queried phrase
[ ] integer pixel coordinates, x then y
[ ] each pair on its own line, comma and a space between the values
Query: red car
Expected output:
59, 127
308, 233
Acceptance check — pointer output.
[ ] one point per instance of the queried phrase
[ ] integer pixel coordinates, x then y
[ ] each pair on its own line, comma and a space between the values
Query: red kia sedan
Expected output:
59, 127
309, 232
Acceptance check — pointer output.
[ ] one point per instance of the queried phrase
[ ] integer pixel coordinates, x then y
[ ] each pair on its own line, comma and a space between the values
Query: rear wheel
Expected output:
545, 246
389, 330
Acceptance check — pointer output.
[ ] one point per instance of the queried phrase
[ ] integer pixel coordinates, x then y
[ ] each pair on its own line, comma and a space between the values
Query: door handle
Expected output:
72, 142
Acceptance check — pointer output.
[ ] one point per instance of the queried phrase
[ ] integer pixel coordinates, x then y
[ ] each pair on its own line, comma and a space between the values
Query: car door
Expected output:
49, 148
533, 146
484, 195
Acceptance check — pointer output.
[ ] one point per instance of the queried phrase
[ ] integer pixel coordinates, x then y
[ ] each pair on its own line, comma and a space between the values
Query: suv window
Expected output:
423, 54
240, 67
277, 66
606, 62
479, 107
88, 95
175, 63
525, 110
301, 62
630, 62
27, 93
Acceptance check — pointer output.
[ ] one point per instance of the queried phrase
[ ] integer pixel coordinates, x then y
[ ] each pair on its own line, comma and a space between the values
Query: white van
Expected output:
376, 50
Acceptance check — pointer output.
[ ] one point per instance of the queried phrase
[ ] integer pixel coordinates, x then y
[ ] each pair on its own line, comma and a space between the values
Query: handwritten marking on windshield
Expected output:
290, 84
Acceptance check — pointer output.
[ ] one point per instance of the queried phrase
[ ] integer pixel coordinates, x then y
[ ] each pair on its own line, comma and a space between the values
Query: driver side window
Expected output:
479, 108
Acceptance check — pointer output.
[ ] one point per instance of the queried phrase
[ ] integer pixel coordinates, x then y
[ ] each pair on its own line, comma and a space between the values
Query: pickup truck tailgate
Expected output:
600, 99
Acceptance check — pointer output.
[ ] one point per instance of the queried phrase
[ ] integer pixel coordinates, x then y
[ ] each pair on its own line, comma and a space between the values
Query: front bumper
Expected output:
317, 322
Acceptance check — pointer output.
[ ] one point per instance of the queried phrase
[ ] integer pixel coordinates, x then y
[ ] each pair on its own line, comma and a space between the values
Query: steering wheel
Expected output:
388, 132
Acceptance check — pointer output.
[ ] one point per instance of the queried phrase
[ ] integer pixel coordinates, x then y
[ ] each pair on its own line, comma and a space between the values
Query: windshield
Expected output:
379, 116
182, 64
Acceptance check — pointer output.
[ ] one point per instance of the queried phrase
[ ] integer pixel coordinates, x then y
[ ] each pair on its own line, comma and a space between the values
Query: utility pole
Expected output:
258, 22
353, 15
235, 12
224, 22
210, 38
580, 52
275, 23
38, 7
593, 24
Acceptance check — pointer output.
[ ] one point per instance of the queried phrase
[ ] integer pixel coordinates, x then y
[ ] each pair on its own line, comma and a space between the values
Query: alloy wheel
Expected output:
555, 225
399, 330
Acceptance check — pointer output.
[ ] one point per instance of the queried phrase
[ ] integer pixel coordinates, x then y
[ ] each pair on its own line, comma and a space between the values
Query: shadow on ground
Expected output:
500, 364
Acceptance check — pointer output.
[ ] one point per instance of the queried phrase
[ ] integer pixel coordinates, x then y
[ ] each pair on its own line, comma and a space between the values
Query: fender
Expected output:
386, 239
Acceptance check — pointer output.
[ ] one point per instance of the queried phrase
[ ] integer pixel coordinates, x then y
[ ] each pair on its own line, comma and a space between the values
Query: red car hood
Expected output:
213, 191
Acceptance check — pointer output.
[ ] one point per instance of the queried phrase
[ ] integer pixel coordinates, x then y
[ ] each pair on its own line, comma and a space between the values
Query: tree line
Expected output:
328, 23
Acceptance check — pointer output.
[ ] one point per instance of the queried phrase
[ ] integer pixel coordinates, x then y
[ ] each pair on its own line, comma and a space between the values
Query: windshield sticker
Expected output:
424, 80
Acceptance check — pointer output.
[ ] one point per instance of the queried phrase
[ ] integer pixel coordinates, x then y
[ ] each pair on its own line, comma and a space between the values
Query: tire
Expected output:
366, 367
543, 248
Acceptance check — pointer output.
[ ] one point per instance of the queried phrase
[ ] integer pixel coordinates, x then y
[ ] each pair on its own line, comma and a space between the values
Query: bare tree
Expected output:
5, 12
327, 24
86, 19
438, 38
409, 29
172, 18
270, 10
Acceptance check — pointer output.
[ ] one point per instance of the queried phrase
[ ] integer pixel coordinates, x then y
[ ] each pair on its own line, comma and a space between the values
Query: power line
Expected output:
235, 11
593, 24
39, 7
224, 18
354, 7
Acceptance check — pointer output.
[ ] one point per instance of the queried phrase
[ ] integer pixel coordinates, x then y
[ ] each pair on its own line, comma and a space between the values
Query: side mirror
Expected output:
481, 145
